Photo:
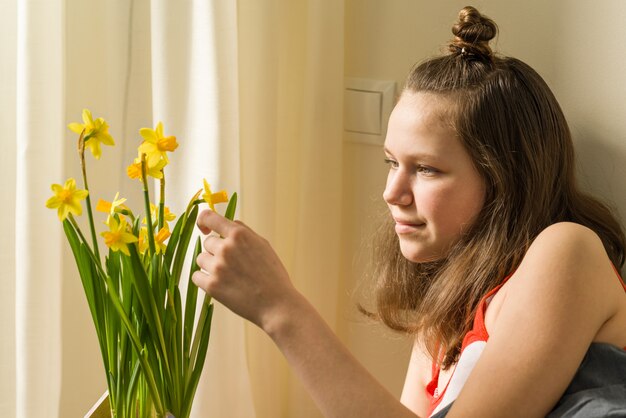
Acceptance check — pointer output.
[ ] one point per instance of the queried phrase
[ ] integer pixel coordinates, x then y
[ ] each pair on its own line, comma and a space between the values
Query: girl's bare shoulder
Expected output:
566, 251
556, 303
568, 264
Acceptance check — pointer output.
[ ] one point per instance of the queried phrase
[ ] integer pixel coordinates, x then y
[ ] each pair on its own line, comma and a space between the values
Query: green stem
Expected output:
161, 215
142, 356
146, 198
162, 202
88, 199
91, 227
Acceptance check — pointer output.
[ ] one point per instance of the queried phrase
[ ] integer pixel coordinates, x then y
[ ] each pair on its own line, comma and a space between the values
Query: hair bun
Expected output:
472, 33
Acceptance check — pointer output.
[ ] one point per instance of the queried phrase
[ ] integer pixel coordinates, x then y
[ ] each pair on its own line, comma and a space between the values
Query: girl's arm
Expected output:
243, 272
562, 294
340, 386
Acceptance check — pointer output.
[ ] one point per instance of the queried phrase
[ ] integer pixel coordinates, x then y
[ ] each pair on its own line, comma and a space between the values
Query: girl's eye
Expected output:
425, 170
391, 163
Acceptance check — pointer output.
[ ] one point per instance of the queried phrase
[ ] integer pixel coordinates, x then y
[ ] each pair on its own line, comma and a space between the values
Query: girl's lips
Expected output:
405, 227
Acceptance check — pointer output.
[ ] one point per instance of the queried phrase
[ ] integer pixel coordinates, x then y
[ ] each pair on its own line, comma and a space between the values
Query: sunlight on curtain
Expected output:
194, 61
291, 92
38, 125
8, 77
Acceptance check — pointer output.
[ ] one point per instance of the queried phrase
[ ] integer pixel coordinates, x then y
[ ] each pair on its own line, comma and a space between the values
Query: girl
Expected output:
503, 270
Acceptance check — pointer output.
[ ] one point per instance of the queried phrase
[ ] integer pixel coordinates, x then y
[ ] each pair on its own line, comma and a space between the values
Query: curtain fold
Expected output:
39, 124
194, 78
8, 87
291, 92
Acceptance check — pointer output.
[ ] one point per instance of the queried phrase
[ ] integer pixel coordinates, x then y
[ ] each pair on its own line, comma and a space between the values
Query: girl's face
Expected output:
433, 190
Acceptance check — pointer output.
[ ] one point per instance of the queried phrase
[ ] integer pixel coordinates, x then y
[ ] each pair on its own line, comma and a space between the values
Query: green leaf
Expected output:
173, 241
153, 312
132, 385
175, 360
141, 353
203, 332
88, 273
190, 305
183, 244
231, 208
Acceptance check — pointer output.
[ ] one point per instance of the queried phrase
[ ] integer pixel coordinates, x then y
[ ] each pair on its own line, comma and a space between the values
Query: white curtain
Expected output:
252, 90
291, 113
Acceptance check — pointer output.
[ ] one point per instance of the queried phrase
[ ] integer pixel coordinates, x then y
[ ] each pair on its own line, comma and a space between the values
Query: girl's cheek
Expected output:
439, 203
428, 200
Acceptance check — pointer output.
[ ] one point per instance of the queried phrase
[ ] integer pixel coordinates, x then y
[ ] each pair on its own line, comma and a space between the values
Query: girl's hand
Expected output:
241, 270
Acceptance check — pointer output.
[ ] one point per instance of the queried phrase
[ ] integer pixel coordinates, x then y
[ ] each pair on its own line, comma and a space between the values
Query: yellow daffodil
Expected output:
154, 213
167, 215
134, 170
155, 145
143, 240
96, 132
160, 237
67, 199
213, 198
110, 207
117, 238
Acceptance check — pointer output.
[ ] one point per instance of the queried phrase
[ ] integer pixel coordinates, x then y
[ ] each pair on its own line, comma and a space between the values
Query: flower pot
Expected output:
101, 408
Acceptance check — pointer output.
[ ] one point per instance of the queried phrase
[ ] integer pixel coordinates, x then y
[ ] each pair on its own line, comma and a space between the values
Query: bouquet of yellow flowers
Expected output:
152, 348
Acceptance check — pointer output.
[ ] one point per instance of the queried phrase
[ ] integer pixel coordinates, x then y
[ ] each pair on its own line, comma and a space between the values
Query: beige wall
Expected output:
576, 45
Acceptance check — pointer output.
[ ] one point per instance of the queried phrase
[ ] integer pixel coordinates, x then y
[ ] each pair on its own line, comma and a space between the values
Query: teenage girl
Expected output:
505, 272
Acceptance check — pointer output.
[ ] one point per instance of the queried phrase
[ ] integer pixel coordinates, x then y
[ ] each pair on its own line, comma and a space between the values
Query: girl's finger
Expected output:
204, 261
210, 221
212, 243
201, 279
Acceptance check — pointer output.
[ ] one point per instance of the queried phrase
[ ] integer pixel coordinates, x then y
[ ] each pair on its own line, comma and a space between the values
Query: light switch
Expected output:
362, 111
367, 106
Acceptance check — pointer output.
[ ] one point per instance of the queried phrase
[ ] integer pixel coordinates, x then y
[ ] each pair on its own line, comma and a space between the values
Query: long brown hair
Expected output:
514, 130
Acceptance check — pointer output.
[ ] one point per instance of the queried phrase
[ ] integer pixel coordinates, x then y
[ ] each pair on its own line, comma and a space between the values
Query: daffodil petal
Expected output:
107, 139
76, 127
62, 212
94, 147
56, 188
87, 118
81, 194
146, 148
53, 203
128, 237
124, 249
75, 207
148, 134
159, 130
70, 184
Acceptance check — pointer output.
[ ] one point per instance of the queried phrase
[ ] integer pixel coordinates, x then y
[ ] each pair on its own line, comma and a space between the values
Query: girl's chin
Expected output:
419, 255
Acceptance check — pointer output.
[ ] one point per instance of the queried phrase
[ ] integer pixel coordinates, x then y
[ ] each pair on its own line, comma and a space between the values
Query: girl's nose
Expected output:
398, 190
